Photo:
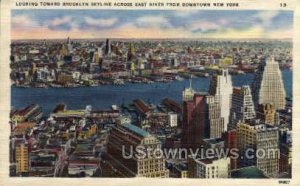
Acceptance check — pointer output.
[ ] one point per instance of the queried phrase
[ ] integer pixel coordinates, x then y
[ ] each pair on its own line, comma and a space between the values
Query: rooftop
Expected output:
136, 130
248, 172
213, 140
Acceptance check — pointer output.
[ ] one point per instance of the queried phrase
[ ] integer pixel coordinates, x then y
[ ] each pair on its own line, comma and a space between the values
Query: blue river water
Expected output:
104, 96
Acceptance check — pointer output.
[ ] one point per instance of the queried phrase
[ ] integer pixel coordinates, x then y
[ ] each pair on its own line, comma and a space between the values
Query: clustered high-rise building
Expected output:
201, 119
241, 120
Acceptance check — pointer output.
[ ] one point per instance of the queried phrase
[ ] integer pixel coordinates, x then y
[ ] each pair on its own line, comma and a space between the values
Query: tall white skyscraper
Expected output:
267, 86
221, 88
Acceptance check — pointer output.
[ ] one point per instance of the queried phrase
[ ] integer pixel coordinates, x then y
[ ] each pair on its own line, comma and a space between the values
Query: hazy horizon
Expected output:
151, 24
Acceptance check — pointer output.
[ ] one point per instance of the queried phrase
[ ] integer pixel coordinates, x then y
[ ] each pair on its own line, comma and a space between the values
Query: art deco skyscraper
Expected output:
267, 86
242, 105
221, 88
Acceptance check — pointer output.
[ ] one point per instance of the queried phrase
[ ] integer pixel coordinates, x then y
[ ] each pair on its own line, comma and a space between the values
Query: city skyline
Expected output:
157, 113
147, 24
79, 108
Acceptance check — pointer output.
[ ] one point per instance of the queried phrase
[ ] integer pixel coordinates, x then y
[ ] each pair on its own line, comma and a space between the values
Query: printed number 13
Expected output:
282, 4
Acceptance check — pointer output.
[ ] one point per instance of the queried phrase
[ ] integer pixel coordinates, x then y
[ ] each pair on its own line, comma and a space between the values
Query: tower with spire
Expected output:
188, 93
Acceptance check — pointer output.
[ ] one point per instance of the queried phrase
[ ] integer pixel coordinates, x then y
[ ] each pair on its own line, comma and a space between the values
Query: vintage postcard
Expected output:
188, 93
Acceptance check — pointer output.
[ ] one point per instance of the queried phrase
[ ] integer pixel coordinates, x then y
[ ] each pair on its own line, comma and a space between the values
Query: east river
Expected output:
104, 96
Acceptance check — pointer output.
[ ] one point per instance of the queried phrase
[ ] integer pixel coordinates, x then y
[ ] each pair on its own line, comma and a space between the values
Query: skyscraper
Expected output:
193, 120
267, 86
221, 88
201, 119
97, 55
107, 47
69, 45
131, 53
214, 119
242, 105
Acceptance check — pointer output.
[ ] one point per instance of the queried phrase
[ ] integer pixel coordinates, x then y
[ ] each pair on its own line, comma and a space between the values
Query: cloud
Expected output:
266, 17
185, 13
65, 23
153, 22
61, 21
203, 26
223, 21
250, 33
100, 22
23, 22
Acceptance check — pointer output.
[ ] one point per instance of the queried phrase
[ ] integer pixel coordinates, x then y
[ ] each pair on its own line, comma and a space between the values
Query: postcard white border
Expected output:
7, 6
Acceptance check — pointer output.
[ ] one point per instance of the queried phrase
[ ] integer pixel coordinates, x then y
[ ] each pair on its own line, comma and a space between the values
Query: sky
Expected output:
156, 24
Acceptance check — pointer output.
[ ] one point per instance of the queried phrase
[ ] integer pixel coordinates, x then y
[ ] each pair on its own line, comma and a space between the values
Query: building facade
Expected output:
201, 119
221, 88
122, 144
214, 122
211, 168
266, 113
22, 159
259, 143
242, 105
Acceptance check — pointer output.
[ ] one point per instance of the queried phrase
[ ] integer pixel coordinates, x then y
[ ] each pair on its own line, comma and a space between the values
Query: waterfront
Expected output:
104, 96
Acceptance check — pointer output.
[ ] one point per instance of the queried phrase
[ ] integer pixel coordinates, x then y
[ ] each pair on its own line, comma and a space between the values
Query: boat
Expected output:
179, 78
118, 82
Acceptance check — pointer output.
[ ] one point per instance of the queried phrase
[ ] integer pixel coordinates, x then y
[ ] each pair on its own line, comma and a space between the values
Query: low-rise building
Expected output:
211, 168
